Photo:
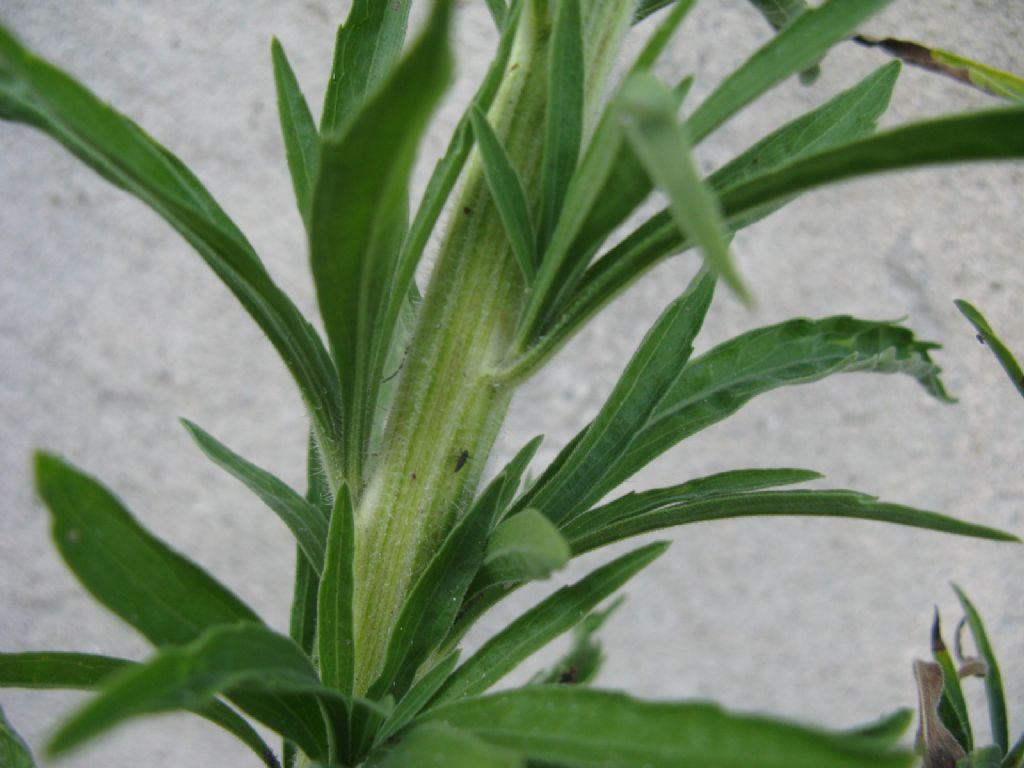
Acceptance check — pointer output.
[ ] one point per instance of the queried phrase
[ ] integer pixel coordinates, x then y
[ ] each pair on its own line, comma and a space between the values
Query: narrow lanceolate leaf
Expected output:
800, 351
583, 661
543, 623
570, 484
508, 193
988, 337
499, 11
358, 219
334, 627
297, 128
1015, 757
34, 92
303, 519
798, 46
725, 483
432, 604
953, 707
367, 48
87, 672
419, 695
166, 597
780, 13
563, 121
993, 135
14, 752
994, 81
661, 36
663, 147
527, 546
887, 731
225, 659
993, 677
439, 744
848, 115
585, 728
645, 8
831, 503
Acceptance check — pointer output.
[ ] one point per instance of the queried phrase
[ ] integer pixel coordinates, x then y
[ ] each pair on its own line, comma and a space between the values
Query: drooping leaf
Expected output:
358, 219
563, 120
663, 147
297, 128
989, 338
334, 603
38, 94
636, 504
995, 82
848, 115
585, 728
366, 50
14, 752
993, 677
440, 744
953, 707
433, 602
419, 695
87, 672
508, 194
798, 46
569, 485
831, 503
719, 382
527, 546
244, 658
584, 659
543, 623
303, 519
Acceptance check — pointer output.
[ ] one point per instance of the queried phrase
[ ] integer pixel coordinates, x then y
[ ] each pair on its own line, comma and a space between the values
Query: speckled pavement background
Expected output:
111, 328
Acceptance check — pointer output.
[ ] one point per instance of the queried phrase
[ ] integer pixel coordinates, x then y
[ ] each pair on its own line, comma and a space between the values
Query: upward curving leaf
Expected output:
297, 128
993, 677
358, 220
988, 337
36, 93
334, 600
585, 728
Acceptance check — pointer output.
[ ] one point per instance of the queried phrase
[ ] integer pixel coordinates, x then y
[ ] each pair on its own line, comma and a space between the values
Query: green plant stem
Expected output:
448, 408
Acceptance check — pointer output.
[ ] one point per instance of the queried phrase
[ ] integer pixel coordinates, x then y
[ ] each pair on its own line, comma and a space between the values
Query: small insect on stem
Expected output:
569, 676
980, 338
461, 461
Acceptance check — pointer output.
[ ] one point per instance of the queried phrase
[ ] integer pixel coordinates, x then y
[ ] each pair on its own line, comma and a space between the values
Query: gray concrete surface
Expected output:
110, 328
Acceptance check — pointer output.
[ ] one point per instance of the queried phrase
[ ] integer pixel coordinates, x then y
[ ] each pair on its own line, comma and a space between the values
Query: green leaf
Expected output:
585, 728
984, 757
433, 603
992, 135
303, 519
87, 672
798, 46
508, 193
36, 93
572, 483
499, 12
661, 36
663, 147
887, 731
987, 336
297, 128
993, 81
419, 695
357, 222
563, 121
635, 504
993, 678
780, 13
527, 546
645, 8
802, 503
953, 707
543, 623
166, 597
583, 661
1015, 757
848, 115
440, 744
334, 604
366, 50
800, 351
242, 657
14, 752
